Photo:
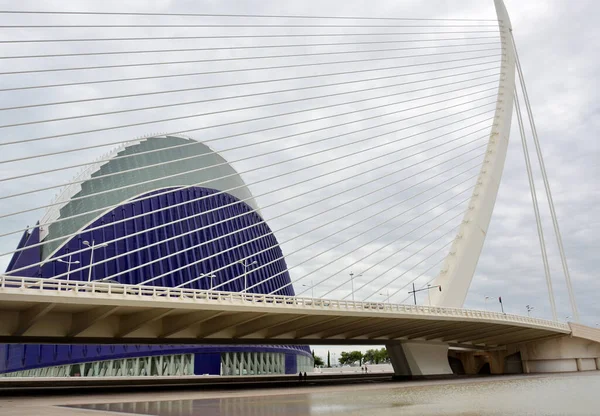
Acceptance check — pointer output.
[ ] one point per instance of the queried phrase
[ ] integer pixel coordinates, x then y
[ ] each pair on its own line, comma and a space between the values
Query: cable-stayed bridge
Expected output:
211, 172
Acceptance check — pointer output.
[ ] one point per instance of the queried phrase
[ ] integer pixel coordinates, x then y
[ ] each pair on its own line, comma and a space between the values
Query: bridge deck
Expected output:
34, 310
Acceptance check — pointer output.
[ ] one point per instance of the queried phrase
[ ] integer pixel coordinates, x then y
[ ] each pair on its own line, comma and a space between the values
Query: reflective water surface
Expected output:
547, 396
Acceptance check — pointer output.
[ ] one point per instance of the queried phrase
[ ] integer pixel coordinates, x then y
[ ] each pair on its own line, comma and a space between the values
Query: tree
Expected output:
349, 358
374, 356
319, 362
328, 359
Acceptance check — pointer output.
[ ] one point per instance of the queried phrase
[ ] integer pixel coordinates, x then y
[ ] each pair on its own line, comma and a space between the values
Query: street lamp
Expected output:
69, 262
92, 246
352, 281
387, 295
211, 277
529, 309
428, 295
488, 298
246, 265
414, 291
312, 289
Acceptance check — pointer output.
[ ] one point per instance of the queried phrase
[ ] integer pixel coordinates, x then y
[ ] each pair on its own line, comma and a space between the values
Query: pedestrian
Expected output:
305, 377
300, 376
366, 369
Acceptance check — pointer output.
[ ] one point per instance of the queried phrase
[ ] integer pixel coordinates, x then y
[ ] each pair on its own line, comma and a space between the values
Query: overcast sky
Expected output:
557, 42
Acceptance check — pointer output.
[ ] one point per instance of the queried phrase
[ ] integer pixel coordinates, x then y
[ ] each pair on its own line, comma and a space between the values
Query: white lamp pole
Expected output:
92, 246
387, 295
68, 265
488, 298
246, 265
312, 289
352, 282
211, 277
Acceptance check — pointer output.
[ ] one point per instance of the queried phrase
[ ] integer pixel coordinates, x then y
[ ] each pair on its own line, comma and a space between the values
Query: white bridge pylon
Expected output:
459, 267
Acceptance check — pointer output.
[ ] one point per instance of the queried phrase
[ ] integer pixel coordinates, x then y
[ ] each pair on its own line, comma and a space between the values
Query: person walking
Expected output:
305, 377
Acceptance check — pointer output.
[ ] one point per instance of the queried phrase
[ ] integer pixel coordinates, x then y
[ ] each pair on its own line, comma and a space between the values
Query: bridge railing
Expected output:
99, 288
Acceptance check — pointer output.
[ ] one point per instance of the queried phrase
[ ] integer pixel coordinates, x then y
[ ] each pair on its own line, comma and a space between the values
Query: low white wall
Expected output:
586, 364
371, 368
552, 366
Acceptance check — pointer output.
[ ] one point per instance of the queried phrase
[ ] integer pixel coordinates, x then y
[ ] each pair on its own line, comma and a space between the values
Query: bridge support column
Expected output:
413, 359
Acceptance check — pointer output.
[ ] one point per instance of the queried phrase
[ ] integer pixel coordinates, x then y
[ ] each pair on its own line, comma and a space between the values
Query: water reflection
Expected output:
548, 396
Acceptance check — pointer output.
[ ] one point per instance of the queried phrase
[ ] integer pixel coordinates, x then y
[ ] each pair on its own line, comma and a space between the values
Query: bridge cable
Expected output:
536, 142
97, 13
536, 208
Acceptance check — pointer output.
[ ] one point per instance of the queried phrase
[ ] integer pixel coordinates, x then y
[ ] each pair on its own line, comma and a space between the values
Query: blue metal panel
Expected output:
291, 363
207, 363
29, 255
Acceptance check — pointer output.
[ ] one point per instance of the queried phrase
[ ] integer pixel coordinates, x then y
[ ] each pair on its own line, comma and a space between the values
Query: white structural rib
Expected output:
459, 266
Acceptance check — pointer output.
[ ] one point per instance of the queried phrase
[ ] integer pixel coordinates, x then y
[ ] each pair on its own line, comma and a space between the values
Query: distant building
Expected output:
202, 216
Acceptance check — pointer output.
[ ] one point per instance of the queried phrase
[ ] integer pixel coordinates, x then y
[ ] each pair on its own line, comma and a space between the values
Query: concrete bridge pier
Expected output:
414, 359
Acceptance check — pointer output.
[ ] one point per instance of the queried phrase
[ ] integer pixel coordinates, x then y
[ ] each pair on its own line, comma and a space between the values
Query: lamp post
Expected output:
352, 282
529, 309
246, 265
68, 263
211, 277
488, 298
92, 246
414, 291
312, 289
428, 295
387, 295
